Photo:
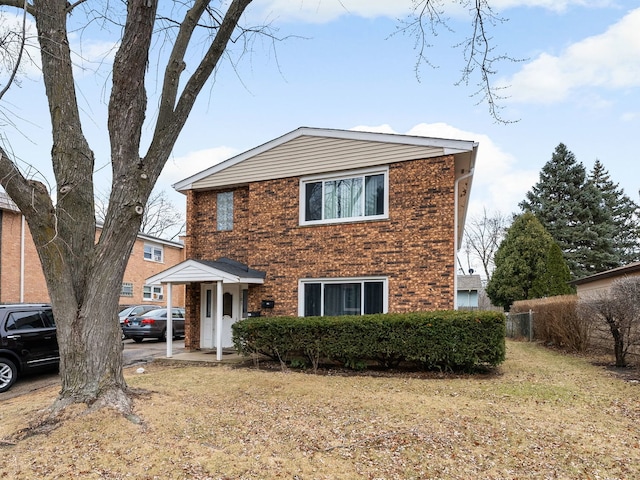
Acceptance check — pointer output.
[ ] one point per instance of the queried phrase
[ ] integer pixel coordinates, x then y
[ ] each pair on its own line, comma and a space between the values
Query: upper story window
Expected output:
225, 211
153, 253
361, 195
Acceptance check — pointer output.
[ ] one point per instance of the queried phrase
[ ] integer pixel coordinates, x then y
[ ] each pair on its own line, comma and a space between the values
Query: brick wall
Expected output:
35, 287
138, 269
413, 247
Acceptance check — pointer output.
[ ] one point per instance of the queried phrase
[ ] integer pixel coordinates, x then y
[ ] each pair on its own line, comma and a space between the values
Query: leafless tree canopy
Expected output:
481, 59
482, 237
160, 219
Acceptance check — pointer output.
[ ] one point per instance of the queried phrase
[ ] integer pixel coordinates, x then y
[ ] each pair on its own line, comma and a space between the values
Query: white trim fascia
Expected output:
449, 147
249, 281
217, 275
150, 239
144, 236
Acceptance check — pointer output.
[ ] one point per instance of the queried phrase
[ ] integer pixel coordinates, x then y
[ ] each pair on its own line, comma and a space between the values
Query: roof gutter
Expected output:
455, 236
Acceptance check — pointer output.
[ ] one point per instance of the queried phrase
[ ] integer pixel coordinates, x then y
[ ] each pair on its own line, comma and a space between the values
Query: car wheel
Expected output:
137, 339
8, 374
163, 337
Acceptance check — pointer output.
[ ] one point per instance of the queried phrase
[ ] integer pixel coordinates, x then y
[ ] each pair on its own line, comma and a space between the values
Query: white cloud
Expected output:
610, 60
179, 168
558, 6
89, 56
321, 11
497, 185
10, 25
630, 116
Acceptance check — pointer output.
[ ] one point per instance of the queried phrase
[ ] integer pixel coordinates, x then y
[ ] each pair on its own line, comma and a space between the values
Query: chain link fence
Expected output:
520, 325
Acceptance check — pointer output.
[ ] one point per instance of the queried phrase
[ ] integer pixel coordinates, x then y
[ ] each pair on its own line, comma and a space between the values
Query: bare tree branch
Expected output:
23, 40
483, 236
480, 61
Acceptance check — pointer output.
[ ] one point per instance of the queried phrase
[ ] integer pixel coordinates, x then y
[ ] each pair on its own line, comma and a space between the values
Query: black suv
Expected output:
28, 341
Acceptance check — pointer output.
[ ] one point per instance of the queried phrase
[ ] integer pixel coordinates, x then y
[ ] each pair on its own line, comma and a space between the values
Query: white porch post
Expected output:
169, 323
219, 320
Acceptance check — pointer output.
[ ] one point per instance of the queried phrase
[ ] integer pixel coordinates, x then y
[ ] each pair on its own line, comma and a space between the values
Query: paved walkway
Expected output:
203, 357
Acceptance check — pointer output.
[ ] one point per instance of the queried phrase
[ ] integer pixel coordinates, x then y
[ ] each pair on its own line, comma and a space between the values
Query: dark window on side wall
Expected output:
312, 299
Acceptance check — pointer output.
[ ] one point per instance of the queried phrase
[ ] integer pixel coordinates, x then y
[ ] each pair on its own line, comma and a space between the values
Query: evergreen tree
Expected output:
625, 214
556, 277
571, 209
529, 264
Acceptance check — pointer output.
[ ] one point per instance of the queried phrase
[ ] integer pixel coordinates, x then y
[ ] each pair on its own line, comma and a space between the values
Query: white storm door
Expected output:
207, 316
231, 308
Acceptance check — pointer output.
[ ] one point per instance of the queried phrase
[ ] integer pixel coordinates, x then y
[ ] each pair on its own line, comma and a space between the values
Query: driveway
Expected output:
132, 354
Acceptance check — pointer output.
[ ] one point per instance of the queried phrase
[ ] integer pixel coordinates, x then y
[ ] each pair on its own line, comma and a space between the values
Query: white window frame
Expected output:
126, 290
340, 176
152, 293
325, 281
156, 253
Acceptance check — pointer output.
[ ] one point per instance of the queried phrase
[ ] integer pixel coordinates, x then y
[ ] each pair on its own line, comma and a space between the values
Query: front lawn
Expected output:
539, 415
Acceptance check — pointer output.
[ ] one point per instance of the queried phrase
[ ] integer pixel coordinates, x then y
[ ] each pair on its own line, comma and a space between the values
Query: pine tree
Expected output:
556, 276
625, 215
529, 264
571, 209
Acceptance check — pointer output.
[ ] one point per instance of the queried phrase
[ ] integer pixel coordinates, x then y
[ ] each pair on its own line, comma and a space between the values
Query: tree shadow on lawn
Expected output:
372, 370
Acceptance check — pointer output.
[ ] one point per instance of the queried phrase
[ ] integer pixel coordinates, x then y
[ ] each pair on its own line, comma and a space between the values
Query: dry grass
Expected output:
543, 415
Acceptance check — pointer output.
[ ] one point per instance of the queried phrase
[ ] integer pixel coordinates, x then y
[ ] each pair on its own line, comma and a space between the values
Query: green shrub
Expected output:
557, 321
451, 340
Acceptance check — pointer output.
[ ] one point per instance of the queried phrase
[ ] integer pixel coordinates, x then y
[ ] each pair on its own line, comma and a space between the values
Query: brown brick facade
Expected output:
35, 287
138, 270
413, 248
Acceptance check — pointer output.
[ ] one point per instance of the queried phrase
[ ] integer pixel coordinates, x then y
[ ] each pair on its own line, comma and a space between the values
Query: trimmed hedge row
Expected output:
452, 340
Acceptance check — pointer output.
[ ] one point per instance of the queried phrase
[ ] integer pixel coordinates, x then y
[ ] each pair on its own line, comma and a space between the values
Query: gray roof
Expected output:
7, 204
233, 267
469, 282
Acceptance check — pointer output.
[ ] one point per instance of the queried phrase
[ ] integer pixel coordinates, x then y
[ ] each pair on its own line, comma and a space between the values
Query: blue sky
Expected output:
578, 83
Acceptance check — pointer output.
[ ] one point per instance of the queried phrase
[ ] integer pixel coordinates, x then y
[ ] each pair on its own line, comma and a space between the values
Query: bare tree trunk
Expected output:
84, 274
618, 346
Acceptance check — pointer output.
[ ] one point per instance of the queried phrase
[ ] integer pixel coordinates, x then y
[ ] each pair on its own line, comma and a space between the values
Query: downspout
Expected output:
22, 232
455, 237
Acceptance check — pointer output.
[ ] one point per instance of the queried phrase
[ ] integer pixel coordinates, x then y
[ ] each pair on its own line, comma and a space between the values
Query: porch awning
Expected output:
225, 270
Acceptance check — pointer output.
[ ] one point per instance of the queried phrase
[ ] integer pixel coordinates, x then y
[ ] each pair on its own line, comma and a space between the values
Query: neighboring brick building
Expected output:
22, 280
324, 222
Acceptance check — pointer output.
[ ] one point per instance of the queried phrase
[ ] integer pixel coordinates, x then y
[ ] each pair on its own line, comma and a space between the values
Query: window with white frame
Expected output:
153, 253
353, 296
152, 293
361, 195
225, 211
126, 290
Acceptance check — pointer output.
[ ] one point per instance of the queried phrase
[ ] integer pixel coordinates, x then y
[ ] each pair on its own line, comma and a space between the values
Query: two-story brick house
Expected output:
22, 279
323, 222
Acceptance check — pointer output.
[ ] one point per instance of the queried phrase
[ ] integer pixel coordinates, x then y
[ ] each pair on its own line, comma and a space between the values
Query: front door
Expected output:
207, 316
231, 308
